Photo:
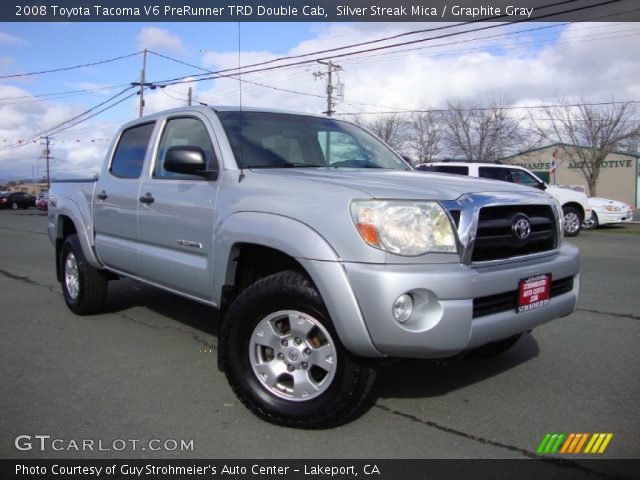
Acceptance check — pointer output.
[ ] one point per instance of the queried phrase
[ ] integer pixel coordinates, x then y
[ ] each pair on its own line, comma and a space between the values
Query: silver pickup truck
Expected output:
323, 250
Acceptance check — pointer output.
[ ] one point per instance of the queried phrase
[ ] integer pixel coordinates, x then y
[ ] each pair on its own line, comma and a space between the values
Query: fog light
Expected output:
403, 308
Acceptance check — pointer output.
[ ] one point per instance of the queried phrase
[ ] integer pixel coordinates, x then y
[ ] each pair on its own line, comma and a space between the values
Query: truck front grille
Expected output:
508, 301
497, 236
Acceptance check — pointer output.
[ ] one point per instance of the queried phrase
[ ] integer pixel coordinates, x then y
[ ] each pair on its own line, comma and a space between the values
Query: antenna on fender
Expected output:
241, 176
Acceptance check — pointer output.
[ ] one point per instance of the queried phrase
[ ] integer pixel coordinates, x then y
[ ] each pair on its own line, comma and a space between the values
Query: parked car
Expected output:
323, 250
42, 201
575, 205
605, 211
16, 200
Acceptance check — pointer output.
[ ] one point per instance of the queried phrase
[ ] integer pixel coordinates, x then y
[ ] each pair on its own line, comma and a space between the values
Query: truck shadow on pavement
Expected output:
403, 379
126, 294
432, 378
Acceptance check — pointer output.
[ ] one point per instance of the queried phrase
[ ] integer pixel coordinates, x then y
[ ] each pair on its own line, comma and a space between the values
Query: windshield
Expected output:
277, 140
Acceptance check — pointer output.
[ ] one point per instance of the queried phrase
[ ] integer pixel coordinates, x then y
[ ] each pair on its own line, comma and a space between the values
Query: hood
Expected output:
397, 184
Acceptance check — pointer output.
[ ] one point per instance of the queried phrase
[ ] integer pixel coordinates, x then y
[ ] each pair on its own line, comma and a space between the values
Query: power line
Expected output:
395, 54
39, 97
218, 73
236, 78
391, 37
55, 129
482, 109
62, 69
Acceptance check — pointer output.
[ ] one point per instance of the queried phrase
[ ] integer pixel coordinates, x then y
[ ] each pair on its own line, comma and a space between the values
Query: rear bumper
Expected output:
443, 321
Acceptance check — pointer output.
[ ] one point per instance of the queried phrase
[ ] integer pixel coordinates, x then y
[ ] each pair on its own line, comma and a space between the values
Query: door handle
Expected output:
147, 199
102, 195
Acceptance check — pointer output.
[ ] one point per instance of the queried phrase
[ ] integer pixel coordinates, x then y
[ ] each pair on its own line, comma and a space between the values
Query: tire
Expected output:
592, 223
494, 349
84, 288
572, 221
284, 360
14, 206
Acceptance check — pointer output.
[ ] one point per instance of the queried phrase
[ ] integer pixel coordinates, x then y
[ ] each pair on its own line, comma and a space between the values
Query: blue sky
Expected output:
46, 46
578, 61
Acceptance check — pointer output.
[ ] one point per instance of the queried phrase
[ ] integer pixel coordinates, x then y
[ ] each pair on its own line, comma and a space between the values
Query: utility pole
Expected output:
142, 73
190, 96
331, 67
142, 83
46, 154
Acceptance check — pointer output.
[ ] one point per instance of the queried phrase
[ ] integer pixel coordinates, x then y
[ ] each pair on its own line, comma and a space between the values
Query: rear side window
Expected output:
128, 157
455, 169
495, 173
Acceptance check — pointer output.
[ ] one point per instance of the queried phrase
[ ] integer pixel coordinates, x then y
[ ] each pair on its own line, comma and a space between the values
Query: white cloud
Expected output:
589, 60
23, 117
8, 39
585, 60
160, 39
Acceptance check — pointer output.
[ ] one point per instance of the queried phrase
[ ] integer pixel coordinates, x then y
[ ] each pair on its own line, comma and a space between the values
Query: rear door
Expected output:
116, 200
177, 216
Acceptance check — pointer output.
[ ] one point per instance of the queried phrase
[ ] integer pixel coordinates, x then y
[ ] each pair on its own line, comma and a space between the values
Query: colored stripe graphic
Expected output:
572, 443
598, 443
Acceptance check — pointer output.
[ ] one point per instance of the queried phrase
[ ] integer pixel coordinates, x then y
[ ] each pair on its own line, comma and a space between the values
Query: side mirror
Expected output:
542, 186
189, 160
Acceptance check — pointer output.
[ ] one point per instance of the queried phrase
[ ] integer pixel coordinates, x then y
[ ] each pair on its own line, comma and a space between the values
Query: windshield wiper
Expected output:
287, 165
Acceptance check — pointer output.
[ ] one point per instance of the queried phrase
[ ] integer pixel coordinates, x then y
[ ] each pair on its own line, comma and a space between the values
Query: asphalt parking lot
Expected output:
147, 370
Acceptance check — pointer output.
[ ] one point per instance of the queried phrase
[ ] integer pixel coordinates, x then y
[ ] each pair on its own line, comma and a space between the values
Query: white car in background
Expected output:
605, 211
575, 205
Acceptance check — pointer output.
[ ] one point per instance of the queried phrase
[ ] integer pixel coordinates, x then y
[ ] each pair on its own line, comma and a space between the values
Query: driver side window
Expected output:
183, 131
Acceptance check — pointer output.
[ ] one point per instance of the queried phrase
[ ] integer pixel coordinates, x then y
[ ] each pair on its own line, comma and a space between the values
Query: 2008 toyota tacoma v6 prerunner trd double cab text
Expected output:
322, 248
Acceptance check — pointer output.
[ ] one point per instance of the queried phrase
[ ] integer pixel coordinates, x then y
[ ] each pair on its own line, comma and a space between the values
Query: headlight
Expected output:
404, 227
558, 207
612, 208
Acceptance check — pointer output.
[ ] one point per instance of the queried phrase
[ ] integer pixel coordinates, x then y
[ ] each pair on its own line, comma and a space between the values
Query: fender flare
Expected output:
312, 251
83, 225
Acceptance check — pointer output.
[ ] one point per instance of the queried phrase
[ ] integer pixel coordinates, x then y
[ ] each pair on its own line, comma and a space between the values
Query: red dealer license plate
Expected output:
534, 292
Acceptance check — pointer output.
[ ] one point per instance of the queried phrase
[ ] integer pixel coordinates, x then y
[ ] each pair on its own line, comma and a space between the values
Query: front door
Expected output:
176, 218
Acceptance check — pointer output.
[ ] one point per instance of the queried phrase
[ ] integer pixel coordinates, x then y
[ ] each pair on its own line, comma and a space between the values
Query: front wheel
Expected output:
84, 288
283, 357
572, 221
592, 223
14, 206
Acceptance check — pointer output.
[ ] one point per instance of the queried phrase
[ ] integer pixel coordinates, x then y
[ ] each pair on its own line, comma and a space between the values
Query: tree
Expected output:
599, 129
391, 129
484, 132
424, 136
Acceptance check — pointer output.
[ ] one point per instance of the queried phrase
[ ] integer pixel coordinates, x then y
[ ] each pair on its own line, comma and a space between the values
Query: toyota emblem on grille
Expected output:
521, 227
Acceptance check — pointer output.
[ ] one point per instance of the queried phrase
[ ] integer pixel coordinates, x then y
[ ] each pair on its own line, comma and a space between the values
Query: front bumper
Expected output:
605, 217
443, 322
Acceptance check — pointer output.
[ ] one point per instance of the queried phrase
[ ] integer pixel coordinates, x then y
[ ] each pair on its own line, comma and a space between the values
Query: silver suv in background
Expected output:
575, 205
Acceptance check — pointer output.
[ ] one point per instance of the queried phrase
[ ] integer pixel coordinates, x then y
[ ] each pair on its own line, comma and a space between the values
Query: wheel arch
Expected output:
577, 206
282, 243
69, 221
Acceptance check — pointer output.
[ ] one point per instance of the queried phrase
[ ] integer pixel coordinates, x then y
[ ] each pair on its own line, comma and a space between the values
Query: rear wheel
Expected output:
14, 206
283, 357
572, 221
84, 288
